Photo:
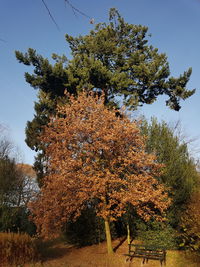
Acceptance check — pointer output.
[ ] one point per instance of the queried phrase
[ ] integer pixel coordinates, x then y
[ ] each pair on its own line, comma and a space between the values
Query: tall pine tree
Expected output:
115, 59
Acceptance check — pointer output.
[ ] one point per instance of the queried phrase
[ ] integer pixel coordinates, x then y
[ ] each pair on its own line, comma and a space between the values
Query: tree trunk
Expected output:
108, 237
128, 234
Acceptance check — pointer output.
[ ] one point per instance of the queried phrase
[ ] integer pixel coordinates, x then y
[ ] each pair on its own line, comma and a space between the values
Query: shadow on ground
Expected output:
50, 250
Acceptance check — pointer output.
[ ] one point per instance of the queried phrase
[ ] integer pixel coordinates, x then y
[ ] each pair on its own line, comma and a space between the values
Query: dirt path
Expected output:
62, 255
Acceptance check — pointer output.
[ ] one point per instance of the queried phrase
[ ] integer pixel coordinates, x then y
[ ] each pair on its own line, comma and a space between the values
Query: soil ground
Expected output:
64, 255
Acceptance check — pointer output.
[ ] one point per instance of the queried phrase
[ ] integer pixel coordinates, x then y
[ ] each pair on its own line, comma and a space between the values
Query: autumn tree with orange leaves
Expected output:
95, 157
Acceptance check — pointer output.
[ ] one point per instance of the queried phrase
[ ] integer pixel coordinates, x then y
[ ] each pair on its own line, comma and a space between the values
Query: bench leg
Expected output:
163, 262
129, 259
143, 261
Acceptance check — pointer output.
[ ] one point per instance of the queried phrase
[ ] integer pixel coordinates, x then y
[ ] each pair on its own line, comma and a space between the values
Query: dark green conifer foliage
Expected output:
8, 177
180, 173
115, 59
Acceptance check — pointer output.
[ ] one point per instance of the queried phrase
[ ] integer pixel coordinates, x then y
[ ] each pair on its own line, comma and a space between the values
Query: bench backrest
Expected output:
142, 248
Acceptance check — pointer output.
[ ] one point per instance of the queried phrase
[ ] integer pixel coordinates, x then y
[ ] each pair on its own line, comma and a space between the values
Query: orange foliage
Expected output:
94, 155
27, 170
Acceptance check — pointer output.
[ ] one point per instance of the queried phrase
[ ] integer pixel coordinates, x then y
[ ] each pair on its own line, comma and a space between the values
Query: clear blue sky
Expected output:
174, 25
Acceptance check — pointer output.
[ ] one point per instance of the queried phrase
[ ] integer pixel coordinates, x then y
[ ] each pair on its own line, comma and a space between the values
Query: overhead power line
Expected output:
74, 9
50, 14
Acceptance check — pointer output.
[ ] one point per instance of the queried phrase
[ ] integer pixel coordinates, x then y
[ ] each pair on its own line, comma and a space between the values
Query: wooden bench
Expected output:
146, 253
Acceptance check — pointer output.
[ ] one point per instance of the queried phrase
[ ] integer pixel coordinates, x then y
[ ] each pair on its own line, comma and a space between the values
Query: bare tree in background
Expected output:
17, 187
6, 146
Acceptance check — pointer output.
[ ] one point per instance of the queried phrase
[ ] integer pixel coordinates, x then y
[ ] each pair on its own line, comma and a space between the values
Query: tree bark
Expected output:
108, 237
128, 234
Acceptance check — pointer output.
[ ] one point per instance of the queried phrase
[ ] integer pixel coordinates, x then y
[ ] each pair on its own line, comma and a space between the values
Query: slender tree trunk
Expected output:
128, 234
108, 237
105, 95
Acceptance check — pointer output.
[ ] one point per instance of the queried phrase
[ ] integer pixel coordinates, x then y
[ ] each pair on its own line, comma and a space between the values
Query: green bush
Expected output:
158, 235
16, 219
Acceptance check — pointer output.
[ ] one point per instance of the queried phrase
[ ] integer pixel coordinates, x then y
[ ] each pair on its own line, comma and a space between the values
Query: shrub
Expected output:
158, 235
16, 249
190, 225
